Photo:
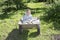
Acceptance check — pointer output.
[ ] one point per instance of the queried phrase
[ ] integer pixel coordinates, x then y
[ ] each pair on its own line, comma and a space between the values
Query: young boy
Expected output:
27, 17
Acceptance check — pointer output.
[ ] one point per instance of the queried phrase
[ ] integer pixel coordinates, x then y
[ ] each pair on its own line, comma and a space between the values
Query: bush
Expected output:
54, 11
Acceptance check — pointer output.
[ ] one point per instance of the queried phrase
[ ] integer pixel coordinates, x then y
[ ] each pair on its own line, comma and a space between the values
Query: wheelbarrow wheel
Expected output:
38, 29
20, 29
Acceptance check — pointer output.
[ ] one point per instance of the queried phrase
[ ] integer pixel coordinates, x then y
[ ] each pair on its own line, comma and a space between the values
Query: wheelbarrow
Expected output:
23, 26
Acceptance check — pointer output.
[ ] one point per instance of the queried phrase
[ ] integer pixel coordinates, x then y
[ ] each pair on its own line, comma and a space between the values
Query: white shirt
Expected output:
27, 17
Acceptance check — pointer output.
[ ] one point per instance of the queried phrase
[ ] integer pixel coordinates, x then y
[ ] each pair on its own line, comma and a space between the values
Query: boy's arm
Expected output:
21, 19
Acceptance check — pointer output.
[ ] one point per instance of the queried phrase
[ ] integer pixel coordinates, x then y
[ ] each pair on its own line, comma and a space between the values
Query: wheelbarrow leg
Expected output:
20, 29
38, 29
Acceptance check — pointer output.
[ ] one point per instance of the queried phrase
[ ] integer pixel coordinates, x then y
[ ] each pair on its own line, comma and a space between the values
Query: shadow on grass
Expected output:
34, 34
14, 35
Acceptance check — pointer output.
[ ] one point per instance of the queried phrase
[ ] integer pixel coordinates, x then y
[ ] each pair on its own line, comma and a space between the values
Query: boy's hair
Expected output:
28, 10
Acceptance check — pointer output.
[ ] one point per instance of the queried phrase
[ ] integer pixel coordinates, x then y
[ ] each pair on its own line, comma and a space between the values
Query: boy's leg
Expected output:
20, 29
38, 28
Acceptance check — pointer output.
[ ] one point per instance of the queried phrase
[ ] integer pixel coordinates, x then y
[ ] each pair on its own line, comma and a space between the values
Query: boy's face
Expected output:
28, 12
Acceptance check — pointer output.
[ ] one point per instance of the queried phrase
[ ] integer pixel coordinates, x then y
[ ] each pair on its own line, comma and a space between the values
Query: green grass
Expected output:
9, 26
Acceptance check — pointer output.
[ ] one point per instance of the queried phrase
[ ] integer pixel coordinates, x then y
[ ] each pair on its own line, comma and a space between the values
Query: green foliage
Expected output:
54, 11
53, 14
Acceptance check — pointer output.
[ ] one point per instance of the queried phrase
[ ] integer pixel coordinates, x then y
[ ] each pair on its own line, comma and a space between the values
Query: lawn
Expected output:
9, 29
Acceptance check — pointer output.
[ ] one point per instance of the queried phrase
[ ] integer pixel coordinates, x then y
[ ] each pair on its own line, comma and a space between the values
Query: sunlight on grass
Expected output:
36, 5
